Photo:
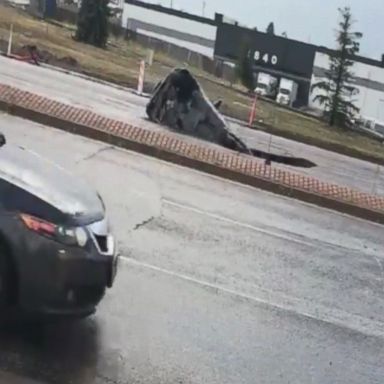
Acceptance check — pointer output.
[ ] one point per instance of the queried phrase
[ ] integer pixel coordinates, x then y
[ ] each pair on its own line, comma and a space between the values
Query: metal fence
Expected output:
69, 14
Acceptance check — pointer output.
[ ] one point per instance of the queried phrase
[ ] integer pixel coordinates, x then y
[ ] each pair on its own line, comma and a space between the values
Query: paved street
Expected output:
219, 283
125, 106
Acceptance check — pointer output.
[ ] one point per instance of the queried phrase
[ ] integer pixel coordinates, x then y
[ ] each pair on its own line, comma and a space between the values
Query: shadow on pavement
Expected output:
52, 353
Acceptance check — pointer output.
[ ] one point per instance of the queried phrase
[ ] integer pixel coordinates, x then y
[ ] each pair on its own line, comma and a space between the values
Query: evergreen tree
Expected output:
92, 24
244, 67
337, 90
271, 28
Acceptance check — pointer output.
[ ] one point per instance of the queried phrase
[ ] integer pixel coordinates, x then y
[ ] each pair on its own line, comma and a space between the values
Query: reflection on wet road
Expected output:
157, 329
62, 353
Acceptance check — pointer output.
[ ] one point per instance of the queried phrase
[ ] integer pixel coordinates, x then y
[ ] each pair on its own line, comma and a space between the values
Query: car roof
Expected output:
48, 181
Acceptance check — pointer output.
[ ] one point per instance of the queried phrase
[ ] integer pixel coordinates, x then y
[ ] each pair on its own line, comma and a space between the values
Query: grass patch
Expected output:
120, 64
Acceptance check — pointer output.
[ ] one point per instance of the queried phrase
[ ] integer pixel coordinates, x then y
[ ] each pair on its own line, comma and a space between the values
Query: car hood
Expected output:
49, 182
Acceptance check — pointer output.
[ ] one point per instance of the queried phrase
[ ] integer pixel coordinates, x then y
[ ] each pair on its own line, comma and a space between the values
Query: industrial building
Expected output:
221, 39
274, 55
195, 33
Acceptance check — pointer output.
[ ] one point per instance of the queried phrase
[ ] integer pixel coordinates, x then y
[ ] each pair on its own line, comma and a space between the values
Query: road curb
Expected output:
172, 148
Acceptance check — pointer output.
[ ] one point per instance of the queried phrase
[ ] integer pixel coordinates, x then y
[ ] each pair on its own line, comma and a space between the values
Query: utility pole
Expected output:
204, 5
171, 5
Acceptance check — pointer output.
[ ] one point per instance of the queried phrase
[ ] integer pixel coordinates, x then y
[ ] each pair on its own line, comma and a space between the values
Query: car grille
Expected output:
102, 242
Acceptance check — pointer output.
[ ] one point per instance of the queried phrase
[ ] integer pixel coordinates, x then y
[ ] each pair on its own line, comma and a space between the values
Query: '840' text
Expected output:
266, 58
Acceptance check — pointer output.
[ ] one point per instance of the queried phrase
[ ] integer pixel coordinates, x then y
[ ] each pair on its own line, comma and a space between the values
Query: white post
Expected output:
140, 85
149, 57
9, 51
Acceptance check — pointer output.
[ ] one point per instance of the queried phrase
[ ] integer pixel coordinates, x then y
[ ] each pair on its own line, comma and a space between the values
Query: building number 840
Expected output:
266, 58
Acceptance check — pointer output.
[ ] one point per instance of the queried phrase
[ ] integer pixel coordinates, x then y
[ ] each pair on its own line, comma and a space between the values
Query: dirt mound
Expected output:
44, 56
68, 61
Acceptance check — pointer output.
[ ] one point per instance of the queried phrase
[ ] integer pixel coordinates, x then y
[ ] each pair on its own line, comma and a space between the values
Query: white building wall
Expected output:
206, 51
359, 69
171, 22
370, 101
19, 2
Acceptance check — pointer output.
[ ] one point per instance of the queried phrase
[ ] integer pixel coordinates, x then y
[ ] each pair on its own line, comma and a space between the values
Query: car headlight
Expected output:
81, 237
65, 235
72, 236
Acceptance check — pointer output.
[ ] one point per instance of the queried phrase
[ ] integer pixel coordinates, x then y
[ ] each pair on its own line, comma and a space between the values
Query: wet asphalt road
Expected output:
219, 283
125, 106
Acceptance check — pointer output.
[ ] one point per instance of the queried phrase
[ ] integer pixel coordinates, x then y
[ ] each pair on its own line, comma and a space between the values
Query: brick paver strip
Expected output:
173, 147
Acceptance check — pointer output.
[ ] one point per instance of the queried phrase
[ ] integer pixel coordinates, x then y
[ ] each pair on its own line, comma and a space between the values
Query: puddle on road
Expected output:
51, 353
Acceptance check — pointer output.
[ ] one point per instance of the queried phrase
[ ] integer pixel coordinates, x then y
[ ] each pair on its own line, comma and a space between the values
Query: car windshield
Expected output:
191, 192
261, 86
285, 92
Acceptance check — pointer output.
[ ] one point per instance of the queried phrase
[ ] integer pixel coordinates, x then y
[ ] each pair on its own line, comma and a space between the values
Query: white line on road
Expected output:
237, 223
305, 308
311, 242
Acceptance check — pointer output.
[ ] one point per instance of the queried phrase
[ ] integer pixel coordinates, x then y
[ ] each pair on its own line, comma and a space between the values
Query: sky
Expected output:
312, 21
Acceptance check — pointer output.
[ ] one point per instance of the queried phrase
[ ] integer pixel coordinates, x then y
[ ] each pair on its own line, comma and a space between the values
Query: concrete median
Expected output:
194, 154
